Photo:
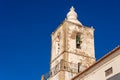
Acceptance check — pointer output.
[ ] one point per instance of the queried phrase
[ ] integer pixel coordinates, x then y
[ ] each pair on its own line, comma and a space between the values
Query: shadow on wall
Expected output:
115, 77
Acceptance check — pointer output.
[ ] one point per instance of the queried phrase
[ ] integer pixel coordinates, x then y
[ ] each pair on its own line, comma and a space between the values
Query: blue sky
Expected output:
26, 26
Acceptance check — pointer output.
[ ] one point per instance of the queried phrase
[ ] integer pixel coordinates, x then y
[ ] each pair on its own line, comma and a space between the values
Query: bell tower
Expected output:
72, 48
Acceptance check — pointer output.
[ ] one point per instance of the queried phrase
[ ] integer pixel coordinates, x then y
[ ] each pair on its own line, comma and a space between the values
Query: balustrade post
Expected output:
42, 77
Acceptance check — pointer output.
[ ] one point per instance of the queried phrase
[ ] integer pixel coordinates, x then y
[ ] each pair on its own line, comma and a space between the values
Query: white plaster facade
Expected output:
98, 70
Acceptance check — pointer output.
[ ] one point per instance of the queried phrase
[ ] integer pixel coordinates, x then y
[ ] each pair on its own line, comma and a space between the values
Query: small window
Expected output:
108, 71
79, 65
78, 40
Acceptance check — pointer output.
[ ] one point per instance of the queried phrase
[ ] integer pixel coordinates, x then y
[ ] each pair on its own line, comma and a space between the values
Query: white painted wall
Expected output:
99, 73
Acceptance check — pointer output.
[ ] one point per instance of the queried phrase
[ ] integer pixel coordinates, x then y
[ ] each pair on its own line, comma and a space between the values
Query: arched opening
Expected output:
78, 40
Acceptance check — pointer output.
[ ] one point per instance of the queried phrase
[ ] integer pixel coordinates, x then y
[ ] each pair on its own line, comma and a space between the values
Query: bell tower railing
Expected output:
66, 66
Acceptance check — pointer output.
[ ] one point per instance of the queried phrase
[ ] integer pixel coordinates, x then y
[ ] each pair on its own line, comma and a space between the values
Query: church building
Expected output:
73, 54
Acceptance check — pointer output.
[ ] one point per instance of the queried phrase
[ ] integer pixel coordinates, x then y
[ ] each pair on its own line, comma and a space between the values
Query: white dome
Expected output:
72, 16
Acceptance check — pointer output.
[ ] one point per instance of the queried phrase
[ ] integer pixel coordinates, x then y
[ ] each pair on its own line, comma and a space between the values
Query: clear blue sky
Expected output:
26, 26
